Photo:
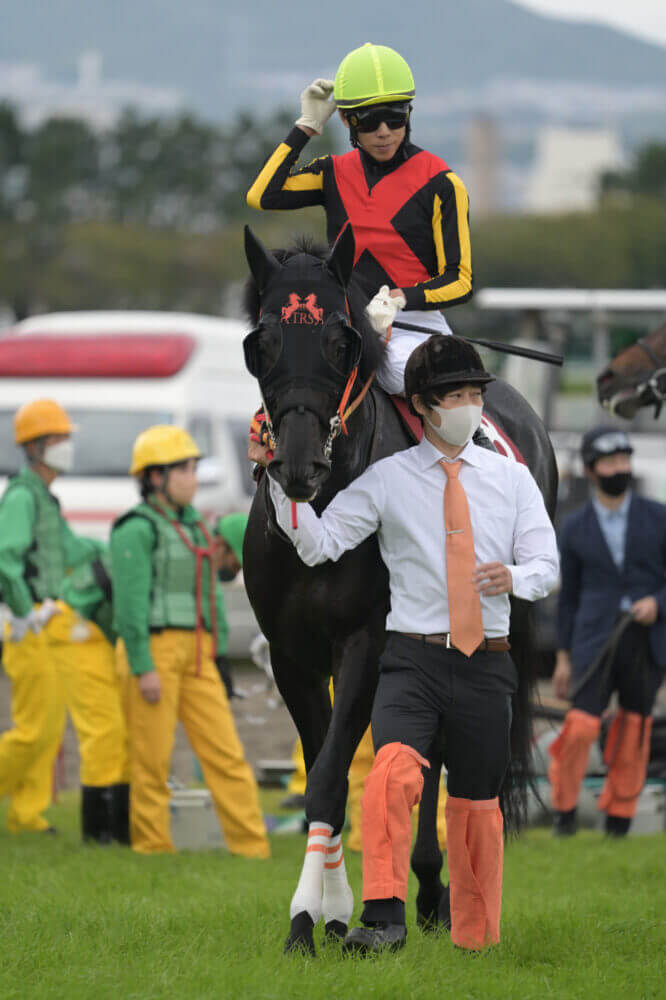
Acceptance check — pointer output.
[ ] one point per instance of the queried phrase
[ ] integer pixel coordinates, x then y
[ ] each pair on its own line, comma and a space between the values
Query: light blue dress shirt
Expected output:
613, 524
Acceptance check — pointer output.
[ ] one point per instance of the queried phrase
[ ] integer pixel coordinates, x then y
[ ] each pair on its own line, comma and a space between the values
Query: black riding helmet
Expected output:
599, 442
441, 363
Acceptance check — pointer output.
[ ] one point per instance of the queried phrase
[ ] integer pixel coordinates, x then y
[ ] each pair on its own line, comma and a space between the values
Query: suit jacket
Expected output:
593, 586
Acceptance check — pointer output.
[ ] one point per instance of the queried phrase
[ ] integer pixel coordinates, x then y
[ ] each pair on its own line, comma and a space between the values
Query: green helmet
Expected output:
372, 74
232, 529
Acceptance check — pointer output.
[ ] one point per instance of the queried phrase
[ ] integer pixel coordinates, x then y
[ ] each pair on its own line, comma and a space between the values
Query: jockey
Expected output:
481, 532
407, 208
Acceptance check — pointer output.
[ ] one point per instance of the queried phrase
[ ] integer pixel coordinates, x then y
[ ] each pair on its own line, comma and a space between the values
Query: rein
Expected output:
651, 389
200, 554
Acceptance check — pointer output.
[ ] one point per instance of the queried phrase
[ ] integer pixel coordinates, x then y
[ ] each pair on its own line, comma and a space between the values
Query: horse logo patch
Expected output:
305, 310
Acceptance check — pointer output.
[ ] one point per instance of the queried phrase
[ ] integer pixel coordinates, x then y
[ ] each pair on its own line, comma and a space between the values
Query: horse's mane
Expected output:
373, 347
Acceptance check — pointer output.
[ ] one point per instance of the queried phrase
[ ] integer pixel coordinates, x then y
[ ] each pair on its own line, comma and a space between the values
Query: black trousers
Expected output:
429, 693
633, 674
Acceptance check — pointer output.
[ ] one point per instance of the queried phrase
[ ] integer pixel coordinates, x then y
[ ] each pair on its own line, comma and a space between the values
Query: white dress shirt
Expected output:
402, 499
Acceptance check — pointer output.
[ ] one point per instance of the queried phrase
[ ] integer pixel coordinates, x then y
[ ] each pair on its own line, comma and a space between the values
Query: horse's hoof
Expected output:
434, 914
301, 938
335, 932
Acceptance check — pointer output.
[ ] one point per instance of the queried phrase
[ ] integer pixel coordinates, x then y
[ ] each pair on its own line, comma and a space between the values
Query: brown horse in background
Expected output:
636, 377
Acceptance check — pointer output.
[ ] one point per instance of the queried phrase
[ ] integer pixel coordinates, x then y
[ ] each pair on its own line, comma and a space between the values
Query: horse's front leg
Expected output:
307, 698
355, 665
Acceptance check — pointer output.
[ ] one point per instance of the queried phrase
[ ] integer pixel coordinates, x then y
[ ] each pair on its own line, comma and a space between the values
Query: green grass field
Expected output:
581, 918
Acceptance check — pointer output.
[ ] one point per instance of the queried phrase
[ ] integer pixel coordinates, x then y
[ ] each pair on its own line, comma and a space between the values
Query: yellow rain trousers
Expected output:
69, 667
199, 701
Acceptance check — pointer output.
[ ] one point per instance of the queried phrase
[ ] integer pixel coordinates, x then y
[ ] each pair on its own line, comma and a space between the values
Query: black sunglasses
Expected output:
369, 120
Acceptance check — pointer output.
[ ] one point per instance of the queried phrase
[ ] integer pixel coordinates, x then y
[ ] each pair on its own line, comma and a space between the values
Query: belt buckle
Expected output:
448, 641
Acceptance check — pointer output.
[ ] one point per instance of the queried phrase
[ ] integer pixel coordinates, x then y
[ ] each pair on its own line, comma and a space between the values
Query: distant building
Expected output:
482, 165
568, 166
89, 95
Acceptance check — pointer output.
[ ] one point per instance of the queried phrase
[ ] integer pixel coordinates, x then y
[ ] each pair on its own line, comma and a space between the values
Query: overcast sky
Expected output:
646, 18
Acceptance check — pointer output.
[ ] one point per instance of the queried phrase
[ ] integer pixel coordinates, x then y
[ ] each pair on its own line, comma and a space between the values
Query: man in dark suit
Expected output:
613, 561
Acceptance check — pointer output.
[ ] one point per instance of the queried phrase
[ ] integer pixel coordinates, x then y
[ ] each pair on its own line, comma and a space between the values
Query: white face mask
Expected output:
457, 426
60, 456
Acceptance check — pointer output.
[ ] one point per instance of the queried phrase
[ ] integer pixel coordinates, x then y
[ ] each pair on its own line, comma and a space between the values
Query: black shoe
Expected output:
617, 826
371, 940
96, 814
565, 824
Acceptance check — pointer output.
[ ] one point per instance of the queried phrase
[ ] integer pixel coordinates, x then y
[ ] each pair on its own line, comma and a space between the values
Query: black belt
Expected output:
500, 644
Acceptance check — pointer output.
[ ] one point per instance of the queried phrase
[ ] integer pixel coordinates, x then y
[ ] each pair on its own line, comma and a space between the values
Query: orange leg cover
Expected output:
392, 789
626, 753
568, 757
476, 857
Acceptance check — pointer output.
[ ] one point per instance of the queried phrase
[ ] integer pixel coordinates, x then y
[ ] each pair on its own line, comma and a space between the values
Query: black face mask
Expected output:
615, 485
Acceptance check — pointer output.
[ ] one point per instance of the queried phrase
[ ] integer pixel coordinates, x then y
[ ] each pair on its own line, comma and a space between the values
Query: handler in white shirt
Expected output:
438, 606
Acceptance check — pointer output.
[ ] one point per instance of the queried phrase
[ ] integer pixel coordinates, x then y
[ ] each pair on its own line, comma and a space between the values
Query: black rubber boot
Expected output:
565, 824
120, 813
373, 940
617, 826
96, 814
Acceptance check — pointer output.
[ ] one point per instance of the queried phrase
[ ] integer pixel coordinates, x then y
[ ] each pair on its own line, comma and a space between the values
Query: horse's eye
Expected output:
340, 347
262, 349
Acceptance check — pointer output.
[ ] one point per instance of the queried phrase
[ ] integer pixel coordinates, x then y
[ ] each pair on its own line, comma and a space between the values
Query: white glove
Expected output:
381, 310
46, 612
18, 627
316, 108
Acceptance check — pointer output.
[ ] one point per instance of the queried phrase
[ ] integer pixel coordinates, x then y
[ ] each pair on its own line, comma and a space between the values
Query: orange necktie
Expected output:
465, 621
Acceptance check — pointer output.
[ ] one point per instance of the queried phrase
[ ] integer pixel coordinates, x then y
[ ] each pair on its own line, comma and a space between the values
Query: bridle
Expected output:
651, 391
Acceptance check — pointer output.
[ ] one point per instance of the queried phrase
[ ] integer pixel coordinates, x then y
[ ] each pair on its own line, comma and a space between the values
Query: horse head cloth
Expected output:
304, 348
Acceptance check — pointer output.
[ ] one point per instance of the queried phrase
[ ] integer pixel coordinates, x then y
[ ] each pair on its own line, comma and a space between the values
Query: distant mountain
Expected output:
218, 56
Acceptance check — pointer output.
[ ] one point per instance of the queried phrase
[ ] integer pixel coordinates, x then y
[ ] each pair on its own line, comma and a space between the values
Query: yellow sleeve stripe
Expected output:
463, 286
256, 192
304, 182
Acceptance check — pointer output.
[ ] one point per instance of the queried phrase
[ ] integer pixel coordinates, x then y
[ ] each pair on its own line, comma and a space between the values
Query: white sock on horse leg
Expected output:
338, 896
308, 893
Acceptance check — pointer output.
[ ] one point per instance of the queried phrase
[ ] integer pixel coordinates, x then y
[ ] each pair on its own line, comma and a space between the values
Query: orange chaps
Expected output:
568, 758
392, 789
626, 754
476, 858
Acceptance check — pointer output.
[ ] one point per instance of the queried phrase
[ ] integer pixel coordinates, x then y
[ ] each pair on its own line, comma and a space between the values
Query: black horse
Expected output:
330, 620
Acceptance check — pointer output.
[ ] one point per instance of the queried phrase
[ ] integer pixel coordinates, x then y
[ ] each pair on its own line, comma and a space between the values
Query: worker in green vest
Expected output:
37, 548
167, 609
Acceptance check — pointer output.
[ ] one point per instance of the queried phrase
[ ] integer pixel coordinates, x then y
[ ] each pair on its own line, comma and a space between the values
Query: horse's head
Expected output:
304, 352
636, 377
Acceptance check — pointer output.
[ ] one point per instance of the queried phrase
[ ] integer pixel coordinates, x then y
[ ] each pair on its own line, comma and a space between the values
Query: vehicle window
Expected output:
102, 443
201, 430
240, 430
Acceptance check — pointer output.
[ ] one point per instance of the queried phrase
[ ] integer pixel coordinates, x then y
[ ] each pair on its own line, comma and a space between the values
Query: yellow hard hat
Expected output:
39, 418
163, 444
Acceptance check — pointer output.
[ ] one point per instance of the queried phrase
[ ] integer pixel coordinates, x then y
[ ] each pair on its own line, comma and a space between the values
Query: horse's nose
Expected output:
300, 481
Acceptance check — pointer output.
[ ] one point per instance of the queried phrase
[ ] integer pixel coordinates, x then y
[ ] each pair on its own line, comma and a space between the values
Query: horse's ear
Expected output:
261, 261
341, 259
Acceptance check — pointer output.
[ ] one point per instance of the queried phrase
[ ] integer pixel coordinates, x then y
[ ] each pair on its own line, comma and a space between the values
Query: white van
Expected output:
116, 373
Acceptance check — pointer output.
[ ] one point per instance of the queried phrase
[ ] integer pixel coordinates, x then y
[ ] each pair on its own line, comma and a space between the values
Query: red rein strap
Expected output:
200, 554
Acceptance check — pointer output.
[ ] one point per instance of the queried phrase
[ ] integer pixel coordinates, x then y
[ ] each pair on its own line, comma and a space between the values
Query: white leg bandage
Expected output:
338, 896
308, 895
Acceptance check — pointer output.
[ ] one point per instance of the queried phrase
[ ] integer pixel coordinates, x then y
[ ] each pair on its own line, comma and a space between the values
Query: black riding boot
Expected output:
96, 814
120, 813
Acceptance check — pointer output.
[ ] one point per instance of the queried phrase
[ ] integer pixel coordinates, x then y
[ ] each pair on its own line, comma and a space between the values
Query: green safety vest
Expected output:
173, 596
88, 590
45, 565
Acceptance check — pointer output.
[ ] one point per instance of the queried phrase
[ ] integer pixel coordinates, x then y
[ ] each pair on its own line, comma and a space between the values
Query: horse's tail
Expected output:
518, 779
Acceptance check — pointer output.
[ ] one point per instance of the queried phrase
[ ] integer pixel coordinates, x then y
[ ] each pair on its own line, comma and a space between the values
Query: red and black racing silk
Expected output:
410, 217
